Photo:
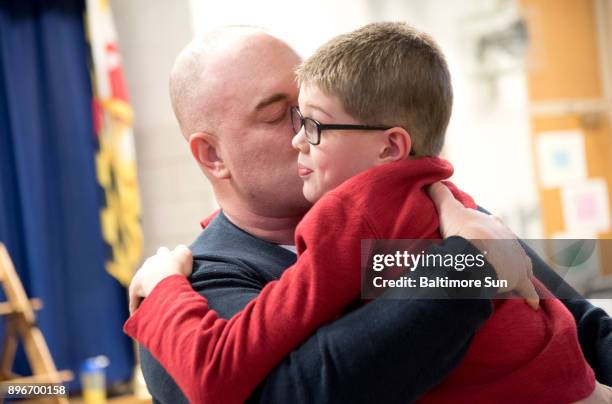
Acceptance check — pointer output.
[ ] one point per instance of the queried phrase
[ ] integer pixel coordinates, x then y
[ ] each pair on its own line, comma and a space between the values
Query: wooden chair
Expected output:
21, 325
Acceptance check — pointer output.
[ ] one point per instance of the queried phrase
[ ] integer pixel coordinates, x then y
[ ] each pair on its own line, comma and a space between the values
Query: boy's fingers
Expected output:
526, 290
182, 250
185, 259
134, 298
134, 303
163, 250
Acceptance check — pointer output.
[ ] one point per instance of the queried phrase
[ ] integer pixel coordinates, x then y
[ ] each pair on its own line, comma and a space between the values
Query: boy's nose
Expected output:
299, 142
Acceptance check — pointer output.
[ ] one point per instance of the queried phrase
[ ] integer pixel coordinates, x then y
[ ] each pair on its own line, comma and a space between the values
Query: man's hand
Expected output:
157, 267
601, 395
510, 261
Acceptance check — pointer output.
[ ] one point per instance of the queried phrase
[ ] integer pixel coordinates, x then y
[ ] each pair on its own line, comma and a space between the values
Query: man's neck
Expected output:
278, 230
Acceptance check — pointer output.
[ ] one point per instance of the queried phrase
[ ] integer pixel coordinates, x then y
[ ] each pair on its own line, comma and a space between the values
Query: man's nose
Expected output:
299, 142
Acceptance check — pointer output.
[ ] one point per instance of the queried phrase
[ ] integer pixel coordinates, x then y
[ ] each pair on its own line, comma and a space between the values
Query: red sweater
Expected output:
215, 360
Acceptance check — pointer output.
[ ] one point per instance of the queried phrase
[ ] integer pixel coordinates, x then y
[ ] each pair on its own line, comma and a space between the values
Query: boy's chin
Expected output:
311, 195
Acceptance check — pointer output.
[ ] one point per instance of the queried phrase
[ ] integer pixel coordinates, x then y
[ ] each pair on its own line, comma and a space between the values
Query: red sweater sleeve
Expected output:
215, 360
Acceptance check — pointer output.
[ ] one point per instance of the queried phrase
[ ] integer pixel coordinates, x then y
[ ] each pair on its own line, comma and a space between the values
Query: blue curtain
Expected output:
49, 196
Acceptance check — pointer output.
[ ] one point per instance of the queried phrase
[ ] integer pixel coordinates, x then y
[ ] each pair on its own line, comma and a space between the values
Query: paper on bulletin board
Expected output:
561, 157
585, 205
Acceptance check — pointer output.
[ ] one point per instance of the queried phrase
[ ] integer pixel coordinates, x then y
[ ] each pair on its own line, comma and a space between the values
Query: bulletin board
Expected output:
570, 120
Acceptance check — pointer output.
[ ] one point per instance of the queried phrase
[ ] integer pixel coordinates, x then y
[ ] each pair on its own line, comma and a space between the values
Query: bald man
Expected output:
231, 92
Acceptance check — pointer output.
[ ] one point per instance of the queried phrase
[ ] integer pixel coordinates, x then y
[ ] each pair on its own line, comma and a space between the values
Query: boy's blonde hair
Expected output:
387, 74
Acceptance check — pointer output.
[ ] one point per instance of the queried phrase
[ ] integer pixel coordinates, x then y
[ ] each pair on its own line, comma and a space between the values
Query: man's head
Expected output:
231, 92
384, 75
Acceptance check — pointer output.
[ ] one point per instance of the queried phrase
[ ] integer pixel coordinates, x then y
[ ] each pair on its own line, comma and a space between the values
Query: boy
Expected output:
383, 94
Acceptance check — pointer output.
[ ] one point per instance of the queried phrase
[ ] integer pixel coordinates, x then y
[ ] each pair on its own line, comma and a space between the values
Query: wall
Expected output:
175, 194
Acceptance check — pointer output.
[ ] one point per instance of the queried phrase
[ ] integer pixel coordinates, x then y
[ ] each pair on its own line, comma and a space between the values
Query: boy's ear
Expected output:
205, 149
397, 145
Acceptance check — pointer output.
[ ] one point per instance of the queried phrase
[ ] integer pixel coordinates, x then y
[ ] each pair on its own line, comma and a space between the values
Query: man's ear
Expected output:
397, 145
205, 149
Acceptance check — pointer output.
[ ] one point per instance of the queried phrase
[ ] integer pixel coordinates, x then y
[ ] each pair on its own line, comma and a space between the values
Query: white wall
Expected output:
304, 25
175, 194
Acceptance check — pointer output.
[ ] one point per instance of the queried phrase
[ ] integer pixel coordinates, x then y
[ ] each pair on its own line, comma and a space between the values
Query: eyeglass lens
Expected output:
311, 131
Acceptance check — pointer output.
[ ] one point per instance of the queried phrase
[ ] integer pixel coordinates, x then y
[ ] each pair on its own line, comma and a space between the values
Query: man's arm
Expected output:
594, 325
363, 355
393, 349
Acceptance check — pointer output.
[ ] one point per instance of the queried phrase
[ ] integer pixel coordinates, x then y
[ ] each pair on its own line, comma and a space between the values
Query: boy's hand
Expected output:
508, 258
157, 267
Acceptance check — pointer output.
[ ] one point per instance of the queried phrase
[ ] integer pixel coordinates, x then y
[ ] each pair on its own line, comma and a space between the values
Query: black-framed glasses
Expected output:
313, 128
